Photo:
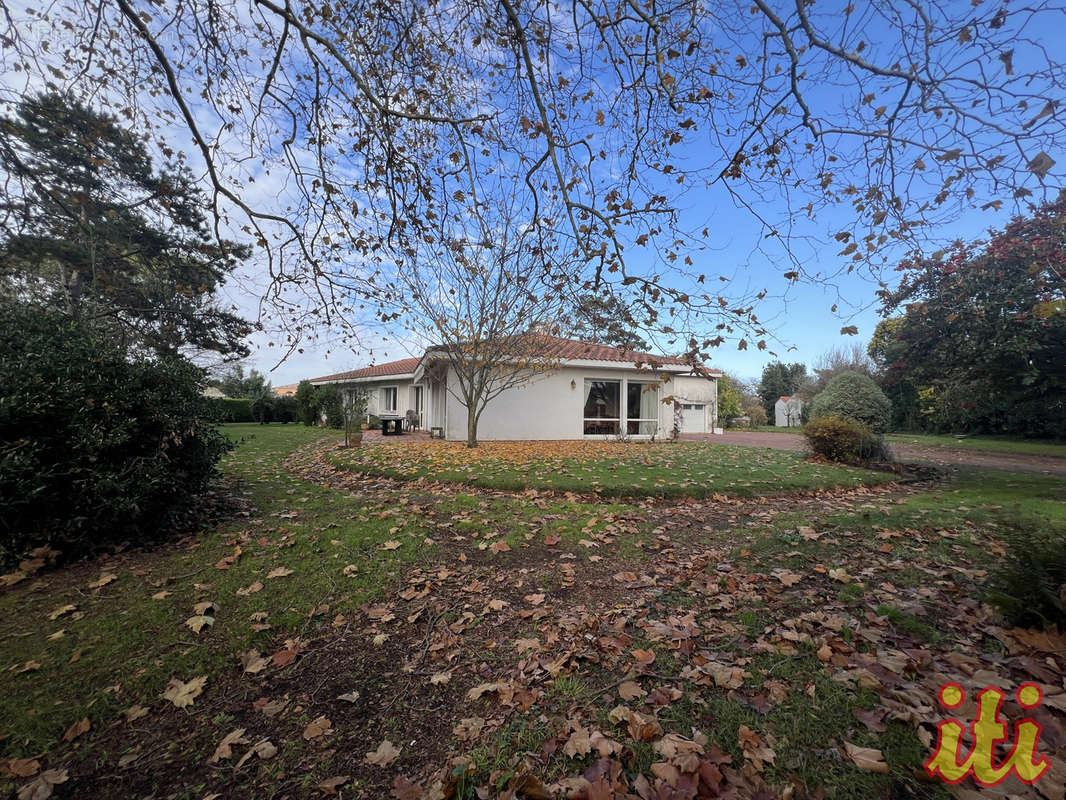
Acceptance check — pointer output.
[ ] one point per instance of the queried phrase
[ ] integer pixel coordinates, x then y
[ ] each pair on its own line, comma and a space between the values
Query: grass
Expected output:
610, 469
349, 547
334, 543
988, 444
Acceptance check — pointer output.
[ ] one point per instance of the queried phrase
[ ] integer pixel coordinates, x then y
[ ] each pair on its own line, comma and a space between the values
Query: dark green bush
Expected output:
263, 407
854, 396
330, 402
95, 449
286, 409
1029, 584
307, 402
232, 409
845, 440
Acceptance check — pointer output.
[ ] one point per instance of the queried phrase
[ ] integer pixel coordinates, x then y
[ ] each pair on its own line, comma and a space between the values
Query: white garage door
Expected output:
693, 418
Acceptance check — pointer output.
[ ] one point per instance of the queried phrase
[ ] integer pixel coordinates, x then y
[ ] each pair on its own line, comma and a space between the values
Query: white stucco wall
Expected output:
547, 407
404, 394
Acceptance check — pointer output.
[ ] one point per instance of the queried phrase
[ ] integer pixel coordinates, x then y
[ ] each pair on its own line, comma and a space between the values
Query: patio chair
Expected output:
411, 420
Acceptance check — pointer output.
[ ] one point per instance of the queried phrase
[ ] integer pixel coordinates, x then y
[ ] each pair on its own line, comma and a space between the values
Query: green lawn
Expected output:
343, 553
610, 469
984, 443
549, 595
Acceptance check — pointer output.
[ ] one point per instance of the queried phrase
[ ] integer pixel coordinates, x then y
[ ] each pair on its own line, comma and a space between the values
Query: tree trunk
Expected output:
471, 425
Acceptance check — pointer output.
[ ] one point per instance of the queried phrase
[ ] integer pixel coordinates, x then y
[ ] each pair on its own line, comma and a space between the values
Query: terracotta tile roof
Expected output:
289, 388
572, 349
553, 347
402, 367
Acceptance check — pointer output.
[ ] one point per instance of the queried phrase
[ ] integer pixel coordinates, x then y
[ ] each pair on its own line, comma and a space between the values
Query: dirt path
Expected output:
941, 456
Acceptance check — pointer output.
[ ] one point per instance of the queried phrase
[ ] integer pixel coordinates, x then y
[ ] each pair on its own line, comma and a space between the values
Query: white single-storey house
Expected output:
787, 411
590, 391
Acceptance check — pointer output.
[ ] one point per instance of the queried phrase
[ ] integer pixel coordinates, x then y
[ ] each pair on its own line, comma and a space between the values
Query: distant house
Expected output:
287, 389
787, 411
591, 391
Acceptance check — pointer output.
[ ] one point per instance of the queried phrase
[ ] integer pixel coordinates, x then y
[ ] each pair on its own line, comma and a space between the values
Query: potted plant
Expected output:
354, 411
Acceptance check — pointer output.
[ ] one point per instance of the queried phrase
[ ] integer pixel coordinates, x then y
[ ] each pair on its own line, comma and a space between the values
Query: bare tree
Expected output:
338, 134
831, 363
482, 296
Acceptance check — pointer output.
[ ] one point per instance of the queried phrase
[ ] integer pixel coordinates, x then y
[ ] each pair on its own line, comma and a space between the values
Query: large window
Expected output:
602, 407
606, 414
642, 408
388, 399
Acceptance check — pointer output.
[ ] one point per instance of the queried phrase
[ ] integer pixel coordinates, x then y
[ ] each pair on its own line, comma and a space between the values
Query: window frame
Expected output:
621, 422
638, 420
385, 409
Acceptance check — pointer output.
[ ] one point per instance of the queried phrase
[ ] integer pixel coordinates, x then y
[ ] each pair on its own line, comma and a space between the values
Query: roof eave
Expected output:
400, 376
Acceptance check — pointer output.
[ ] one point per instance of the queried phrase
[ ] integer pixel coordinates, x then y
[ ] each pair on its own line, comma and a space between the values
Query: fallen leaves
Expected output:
329, 786
787, 577
183, 693
134, 713
19, 767
757, 749
317, 728
61, 611
866, 758
225, 747
578, 744
226, 562
279, 572
198, 622
250, 589
264, 749
104, 579
385, 754
77, 729
42, 786
252, 662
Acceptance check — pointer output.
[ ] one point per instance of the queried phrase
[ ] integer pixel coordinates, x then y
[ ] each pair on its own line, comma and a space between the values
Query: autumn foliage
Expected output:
975, 337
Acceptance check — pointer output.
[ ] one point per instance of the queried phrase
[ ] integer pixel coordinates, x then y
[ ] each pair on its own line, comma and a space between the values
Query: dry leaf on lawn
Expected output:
384, 755
317, 728
104, 579
76, 730
578, 744
329, 785
253, 662
198, 623
264, 749
866, 758
41, 787
630, 690
19, 767
225, 747
788, 577
181, 693
61, 611
134, 712
279, 572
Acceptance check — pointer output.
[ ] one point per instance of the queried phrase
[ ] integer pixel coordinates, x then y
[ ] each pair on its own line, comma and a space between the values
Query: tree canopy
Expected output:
979, 331
340, 135
90, 228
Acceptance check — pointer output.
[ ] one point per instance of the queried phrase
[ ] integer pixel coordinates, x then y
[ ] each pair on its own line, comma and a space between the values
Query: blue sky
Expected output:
799, 315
